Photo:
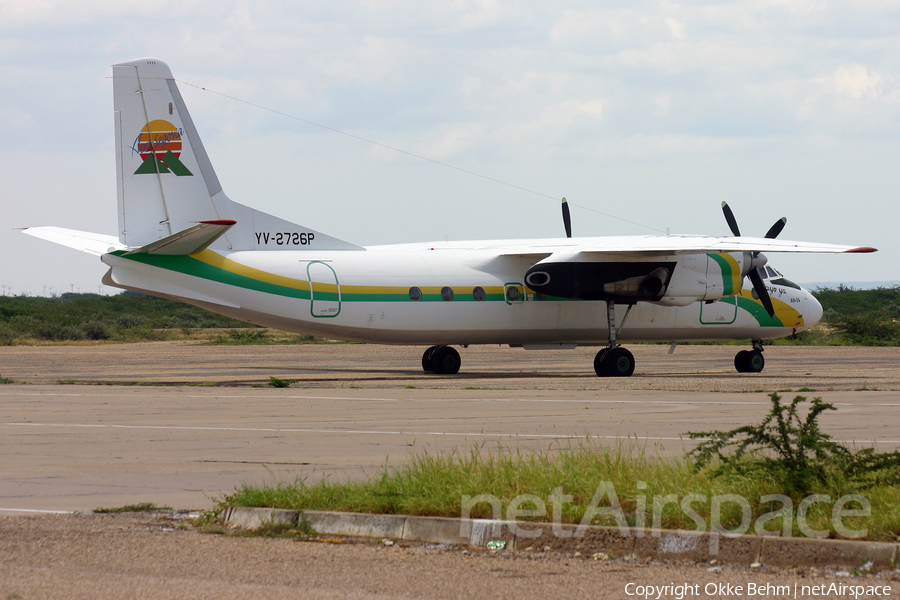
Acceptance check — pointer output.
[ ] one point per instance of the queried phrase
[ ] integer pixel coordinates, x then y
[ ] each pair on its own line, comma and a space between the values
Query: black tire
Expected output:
599, 369
755, 361
619, 362
445, 361
741, 361
426, 360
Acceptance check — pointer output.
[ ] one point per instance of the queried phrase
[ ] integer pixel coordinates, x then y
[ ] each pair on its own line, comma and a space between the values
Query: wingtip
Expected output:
862, 250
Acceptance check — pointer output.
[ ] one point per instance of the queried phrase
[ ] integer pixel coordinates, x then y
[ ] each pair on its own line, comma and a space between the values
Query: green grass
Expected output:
434, 484
142, 507
6, 380
279, 383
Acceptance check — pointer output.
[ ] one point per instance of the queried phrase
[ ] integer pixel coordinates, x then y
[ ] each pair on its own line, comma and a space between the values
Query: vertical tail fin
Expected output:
166, 182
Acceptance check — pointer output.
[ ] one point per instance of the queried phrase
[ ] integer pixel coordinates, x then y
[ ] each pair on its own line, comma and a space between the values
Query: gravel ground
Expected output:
157, 556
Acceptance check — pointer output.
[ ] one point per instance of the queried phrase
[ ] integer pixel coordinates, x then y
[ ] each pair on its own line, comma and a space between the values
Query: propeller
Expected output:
775, 229
754, 274
567, 219
732, 222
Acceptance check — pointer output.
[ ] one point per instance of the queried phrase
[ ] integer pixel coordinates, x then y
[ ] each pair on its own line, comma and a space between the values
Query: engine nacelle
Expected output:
677, 280
709, 277
582, 278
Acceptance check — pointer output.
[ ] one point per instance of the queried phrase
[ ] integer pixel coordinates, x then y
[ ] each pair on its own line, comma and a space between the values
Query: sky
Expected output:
646, 115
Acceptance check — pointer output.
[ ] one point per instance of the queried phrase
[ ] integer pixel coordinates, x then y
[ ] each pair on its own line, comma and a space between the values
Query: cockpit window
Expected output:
784, 283
770, 272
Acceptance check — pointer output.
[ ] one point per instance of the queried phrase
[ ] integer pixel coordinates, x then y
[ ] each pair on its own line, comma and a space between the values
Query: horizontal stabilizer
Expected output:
92, 243
191, 240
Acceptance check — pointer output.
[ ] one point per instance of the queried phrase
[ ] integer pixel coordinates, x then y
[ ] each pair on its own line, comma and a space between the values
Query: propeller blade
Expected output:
567, 219
760, 287
775, 229
732, 222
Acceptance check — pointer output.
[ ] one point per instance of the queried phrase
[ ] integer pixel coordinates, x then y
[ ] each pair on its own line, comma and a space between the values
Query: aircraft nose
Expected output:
812, 310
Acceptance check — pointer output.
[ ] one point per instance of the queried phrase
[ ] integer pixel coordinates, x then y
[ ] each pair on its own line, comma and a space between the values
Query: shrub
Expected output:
95, 330
58, 332
129, 321
8, 336
794, 450
867, 329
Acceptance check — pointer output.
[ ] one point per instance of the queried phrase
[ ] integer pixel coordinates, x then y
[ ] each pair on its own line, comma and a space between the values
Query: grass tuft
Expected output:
279, 383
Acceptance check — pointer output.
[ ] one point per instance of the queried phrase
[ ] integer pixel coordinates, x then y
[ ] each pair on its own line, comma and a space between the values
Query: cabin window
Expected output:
447, 293
479, 293
512, 293
415, 294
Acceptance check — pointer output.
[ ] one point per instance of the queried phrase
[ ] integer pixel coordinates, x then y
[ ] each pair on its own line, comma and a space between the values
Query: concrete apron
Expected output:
747, 550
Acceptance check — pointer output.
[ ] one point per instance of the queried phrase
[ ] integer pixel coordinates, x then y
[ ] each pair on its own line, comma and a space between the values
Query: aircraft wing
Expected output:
655, 245
92, 243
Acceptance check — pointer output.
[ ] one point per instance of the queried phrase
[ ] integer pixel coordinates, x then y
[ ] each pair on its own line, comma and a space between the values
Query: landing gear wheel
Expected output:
618, 362
445, 361
426, 360
755, 361
749, 361
599, 369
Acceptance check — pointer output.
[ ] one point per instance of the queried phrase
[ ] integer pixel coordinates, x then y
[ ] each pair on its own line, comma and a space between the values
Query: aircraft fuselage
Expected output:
437, 294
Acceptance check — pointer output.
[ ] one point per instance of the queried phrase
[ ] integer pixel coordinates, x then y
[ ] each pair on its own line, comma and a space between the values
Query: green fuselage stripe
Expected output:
727, 275
196, 268
759, 312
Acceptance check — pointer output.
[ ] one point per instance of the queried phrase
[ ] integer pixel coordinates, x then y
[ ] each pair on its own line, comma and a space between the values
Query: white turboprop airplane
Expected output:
180, 237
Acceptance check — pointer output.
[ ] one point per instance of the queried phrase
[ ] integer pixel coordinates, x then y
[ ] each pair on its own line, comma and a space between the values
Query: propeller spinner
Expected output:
754, 274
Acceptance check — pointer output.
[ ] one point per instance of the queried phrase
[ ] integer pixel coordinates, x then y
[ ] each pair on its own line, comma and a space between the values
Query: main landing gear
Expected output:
614, 361
750, 361
441, 360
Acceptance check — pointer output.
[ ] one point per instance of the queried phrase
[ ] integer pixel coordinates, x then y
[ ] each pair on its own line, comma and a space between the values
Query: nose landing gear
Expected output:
750, 361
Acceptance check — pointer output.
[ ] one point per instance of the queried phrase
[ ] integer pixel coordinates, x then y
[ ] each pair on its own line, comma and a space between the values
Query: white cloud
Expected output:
676, 27
855, 81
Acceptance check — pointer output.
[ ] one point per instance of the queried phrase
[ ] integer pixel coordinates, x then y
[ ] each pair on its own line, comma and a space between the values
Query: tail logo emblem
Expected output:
159, 145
